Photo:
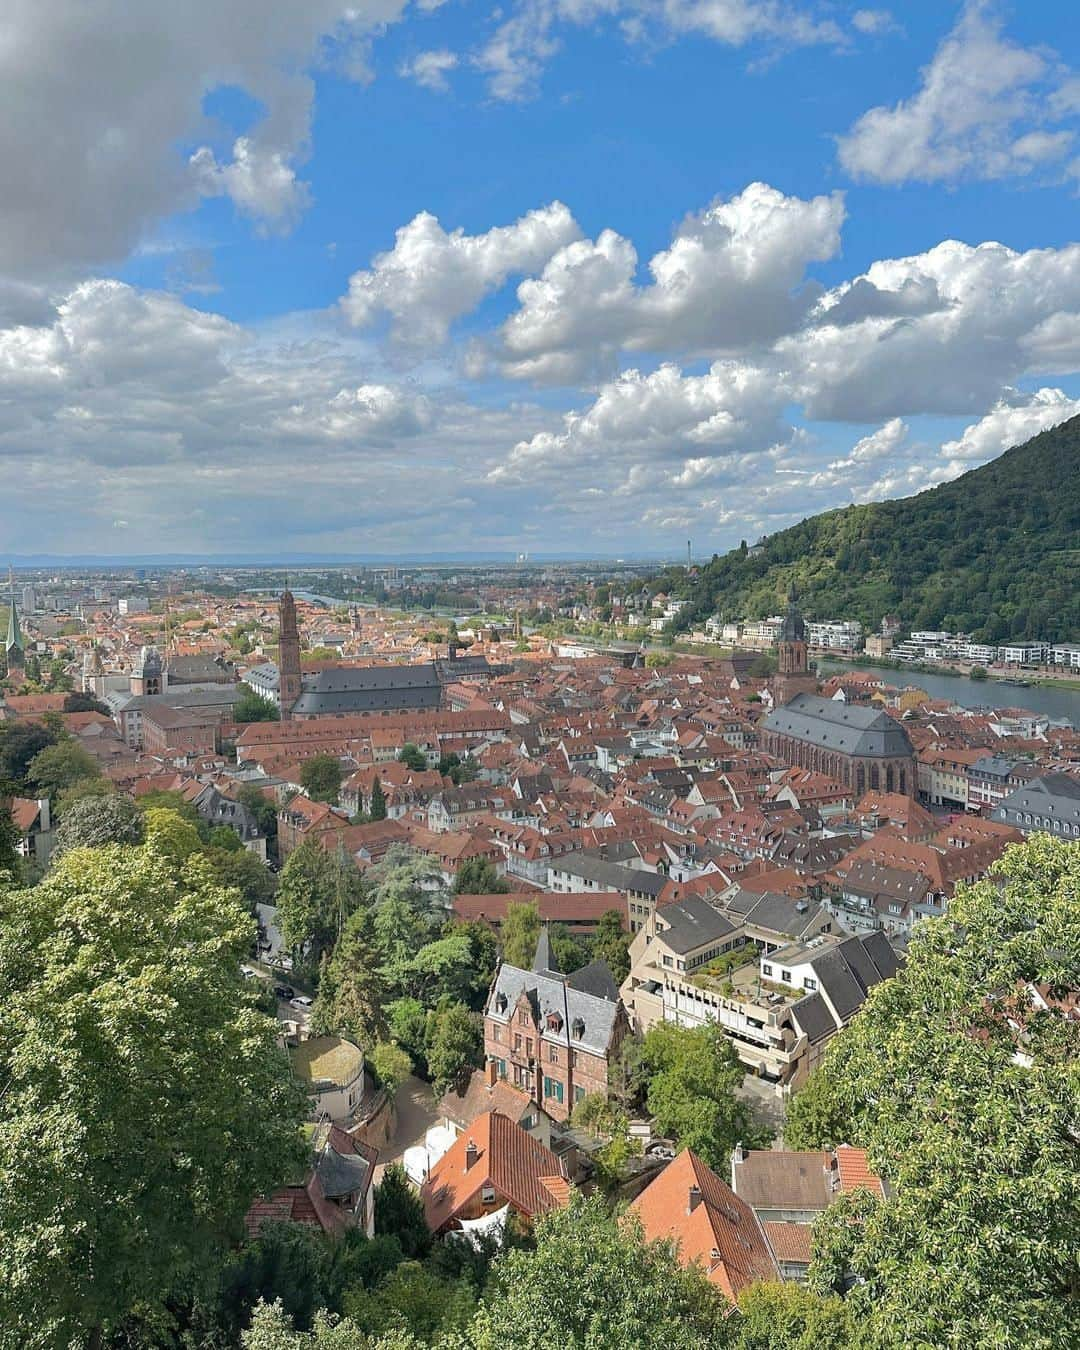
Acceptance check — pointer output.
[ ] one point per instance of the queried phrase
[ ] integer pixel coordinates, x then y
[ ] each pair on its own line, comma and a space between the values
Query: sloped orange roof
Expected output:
717, 1231
854, 1171
789, 1241
518, 1166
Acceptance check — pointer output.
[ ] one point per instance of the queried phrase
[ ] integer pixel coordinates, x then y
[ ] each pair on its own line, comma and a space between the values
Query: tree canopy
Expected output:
145, 1102
965, 1092
321, 777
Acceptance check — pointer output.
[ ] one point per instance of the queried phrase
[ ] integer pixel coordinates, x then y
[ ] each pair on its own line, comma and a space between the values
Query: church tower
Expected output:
793, 667
13, 646
289, 686
148, 673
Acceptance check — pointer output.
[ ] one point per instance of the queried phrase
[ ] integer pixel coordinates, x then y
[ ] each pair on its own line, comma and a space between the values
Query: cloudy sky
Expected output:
584, 275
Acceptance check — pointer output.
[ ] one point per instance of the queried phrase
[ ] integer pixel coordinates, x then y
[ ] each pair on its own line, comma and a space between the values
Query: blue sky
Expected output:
213, 337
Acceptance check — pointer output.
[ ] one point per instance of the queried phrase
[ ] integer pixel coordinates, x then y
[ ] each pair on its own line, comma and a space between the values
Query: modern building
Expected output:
862, 747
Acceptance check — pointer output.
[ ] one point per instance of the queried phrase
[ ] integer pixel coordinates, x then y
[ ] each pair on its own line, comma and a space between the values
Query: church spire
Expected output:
13, 646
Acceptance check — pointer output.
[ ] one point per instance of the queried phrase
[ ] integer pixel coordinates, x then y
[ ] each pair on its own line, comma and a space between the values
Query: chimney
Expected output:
472, 1153
492, 1073
694, 1199
738, 1154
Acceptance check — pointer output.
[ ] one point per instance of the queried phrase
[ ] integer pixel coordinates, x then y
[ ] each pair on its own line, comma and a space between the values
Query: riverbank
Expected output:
995, 675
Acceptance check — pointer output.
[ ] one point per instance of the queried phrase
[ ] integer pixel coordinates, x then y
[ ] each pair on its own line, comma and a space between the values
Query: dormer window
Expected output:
554, 1022
501, 1003
578, 1028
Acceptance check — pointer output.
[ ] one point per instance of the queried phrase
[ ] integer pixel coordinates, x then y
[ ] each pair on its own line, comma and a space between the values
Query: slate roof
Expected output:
812, 1016
612, 876
846, 727
1055, 795
352, 689
344, 1165
553, 993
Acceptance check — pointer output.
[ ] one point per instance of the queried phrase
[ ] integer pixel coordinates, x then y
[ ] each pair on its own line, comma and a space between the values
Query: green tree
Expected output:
399, 1213
352, 987
246, 872
789, 1317
19, 743
407, 1023
692, 1077
611, 944
9, 840
93, 822
593, 1283
146, 1101
60, 766
520, 933
413, 757
454, 1044
570, 954
80, 702
965, 1095
377, 805
392, 1064
252, 707
79, 791
477, 876
320, 888
321, 777
815, 1118
252, 798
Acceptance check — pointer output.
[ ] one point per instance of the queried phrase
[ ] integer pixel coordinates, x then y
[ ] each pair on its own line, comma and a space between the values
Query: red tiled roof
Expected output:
789, 1241
508, 1159
720, 1233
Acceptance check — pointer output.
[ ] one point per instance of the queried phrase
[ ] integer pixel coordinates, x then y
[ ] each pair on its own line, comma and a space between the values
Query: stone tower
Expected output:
288, 655
148, 673
793, 667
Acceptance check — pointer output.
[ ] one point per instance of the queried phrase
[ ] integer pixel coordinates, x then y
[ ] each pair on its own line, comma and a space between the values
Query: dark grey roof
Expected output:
345, 689
838, 982
193, 669
693, 923
846, 727
872, 879
610, 875
780, 914
994, 765
813, 1017
595, 979
556, 994
881, 951
1054, 794
543, 960
187, 696
342, 1173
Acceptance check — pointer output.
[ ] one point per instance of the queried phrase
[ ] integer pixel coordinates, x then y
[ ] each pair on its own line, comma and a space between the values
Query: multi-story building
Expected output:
991, 778
1050, 804
554, 1035
777, 1001
835, 634
1024, 653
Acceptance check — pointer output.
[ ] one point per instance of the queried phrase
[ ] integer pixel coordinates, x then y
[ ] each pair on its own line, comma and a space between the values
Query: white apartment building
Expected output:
835, 634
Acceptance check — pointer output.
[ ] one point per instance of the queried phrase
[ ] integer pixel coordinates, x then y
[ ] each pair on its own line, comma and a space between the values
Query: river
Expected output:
1053, 702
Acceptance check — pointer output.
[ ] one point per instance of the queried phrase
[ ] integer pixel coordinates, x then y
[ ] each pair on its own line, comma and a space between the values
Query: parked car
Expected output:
301, 1001
285, 991
249, 972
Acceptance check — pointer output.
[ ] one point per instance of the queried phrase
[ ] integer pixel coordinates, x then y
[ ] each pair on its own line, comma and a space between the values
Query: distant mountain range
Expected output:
995, 553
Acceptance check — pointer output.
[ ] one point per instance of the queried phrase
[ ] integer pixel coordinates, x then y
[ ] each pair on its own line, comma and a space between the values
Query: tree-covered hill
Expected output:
995, 553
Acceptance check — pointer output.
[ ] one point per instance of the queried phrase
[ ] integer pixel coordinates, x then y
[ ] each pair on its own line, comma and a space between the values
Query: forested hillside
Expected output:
995, 553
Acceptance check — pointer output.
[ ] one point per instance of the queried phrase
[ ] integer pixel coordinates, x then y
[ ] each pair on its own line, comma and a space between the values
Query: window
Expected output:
487, 1195
553, 1054
553, 1088
523, 1018
529, 1047
785, 975
809, 984
517, 1042
579, 1093
496, 1033
766, 970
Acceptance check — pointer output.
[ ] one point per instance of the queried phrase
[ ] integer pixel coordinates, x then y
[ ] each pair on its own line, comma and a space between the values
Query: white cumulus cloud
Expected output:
431, 277
977, 114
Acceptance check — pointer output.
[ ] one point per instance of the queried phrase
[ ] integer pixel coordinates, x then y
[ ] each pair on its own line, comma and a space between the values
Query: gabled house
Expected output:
492, 1165
710, 1227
